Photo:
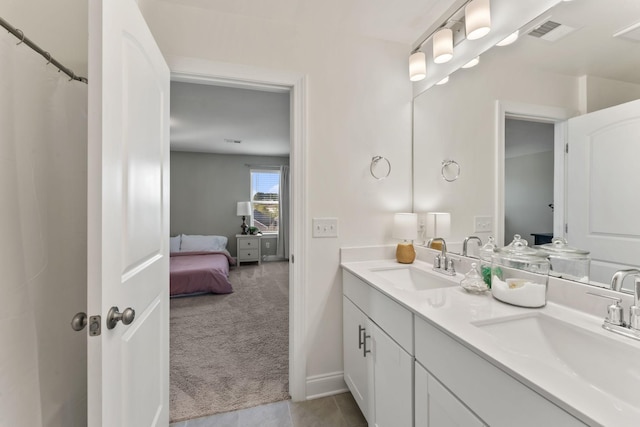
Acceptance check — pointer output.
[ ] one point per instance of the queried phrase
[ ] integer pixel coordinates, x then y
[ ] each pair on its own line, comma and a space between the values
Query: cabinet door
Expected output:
393, 381
437, 407
358, 365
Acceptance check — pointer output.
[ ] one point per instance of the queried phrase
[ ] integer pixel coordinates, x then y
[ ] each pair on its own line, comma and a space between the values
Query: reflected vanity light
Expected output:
443, 81
443, 46
405, 227
417, 66
477, 16
475, 61
509, 39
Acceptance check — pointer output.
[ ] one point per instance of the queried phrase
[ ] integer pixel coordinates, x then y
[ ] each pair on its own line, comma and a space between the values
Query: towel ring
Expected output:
374, 162
445, 165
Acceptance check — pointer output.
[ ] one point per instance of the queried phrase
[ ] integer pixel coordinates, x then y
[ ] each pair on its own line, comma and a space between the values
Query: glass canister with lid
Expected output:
567, 262
520, 274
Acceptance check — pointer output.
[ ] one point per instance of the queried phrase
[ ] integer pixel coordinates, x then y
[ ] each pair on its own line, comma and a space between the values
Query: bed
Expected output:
199, 264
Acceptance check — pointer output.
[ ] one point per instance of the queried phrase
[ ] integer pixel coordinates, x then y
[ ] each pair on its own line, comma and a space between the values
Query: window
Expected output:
265, 198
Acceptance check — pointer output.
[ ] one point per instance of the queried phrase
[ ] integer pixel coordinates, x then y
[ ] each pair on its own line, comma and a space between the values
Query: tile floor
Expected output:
333, 411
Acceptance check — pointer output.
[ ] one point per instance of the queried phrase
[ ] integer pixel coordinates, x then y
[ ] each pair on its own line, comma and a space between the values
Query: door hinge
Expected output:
566, 148
292, 259
566, 228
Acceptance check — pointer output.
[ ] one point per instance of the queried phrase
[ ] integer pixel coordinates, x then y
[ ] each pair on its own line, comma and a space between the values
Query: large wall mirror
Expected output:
492, 118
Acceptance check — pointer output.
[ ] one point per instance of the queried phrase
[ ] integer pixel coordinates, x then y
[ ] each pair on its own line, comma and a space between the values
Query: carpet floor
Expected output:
231, 351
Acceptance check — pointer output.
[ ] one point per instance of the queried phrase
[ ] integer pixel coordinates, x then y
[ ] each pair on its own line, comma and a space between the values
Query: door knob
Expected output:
114, 316
79, 321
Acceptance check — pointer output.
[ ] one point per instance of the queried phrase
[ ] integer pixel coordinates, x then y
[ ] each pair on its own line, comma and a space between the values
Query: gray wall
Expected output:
205, 189
528, 192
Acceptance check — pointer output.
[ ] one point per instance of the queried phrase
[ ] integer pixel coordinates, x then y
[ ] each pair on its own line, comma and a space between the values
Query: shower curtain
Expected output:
43, 137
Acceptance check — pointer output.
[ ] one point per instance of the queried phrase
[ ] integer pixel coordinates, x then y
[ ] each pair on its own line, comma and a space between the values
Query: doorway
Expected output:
529, 180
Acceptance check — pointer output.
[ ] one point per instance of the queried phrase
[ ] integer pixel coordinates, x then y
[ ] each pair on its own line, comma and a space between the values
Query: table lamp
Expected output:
405, 227
243, 209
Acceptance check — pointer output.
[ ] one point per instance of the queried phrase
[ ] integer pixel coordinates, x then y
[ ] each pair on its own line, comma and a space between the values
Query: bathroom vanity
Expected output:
420, 351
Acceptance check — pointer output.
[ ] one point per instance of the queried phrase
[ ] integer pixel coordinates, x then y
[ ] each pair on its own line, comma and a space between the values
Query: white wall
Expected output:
205, 189
458, 121
597, 93
359, 106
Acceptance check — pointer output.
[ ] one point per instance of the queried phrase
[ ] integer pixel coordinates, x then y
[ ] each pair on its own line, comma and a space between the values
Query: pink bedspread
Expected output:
197, 272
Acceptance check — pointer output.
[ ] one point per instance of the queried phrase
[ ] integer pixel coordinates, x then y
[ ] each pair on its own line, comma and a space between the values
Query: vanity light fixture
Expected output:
475, 61
442, 45
405, 227
443, 81
509, 39
417, 66
477, 19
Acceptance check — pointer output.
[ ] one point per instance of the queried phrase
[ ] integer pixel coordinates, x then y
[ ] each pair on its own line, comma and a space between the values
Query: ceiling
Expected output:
212, 119
589, 50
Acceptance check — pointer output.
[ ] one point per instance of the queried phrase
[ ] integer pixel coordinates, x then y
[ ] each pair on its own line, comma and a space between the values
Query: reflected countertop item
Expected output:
560, 352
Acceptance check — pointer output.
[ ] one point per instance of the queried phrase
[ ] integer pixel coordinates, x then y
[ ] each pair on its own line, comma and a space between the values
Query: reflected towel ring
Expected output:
374, 162
448, 176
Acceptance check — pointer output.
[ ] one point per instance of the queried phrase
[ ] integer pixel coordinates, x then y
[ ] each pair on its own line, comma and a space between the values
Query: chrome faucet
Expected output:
615, 314
618, 278
441, 262
466, 240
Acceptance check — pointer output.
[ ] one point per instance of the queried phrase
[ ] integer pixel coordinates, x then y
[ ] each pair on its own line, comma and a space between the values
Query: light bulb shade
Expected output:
438, 224
477, 19
443, 46
417, 66
443, 81
405, 226
243, 209
475, 61
509, 39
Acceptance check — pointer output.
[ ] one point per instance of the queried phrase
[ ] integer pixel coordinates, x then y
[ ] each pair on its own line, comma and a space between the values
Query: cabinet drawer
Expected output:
392, 318
496, 397
248, 243
248, 255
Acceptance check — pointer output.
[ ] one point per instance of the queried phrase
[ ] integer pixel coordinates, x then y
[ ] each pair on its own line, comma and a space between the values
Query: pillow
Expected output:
174, 244
194, 243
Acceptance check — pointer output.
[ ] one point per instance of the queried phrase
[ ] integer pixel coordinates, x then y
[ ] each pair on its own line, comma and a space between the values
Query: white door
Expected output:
393, 377
358, 365
128, 234
603, 188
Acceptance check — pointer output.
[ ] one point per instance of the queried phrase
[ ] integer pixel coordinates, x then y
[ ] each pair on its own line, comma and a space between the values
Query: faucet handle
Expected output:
615, 312
449, 266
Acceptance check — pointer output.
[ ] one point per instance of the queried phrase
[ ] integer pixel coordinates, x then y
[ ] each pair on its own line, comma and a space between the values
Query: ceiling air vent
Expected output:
233, 141
551, 31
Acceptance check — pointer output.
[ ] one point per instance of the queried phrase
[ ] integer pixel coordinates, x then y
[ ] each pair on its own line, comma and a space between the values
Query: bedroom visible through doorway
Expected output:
230, 350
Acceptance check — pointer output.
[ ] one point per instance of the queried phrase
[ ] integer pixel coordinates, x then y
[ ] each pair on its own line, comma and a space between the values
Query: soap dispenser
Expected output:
485, 253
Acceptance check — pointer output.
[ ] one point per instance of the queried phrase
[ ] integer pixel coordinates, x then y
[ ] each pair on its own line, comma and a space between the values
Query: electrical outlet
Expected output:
325, 227
482, 224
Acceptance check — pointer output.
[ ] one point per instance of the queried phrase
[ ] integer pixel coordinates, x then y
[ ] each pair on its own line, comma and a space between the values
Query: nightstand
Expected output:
248, 248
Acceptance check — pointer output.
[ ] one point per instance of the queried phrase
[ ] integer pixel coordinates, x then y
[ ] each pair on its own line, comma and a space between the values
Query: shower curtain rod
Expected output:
20, 35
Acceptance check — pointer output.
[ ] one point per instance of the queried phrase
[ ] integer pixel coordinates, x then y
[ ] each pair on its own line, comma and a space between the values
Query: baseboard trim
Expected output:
325, 385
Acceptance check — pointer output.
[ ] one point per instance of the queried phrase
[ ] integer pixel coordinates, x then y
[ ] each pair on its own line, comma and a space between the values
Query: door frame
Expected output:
196, 70
538, 113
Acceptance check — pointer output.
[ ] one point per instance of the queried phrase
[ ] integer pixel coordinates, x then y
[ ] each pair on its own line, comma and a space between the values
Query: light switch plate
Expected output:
325, 227
482, 224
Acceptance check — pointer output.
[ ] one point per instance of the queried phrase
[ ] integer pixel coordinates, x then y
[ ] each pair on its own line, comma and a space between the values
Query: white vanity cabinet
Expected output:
478, 386
378, 364
437, 407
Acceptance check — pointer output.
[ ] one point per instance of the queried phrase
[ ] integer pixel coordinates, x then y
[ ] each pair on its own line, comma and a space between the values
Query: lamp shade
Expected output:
443, 46
417, 66
438, 224
477, 19
405, 226
243, 209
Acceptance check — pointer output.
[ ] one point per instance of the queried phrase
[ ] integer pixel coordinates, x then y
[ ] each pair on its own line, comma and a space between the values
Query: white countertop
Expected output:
456, 312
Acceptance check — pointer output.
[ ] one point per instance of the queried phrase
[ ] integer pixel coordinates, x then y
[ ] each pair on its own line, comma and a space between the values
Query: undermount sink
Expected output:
413, 279
606, 364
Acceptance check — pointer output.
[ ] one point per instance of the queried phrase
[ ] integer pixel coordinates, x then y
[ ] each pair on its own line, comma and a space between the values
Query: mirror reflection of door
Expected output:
528, 180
